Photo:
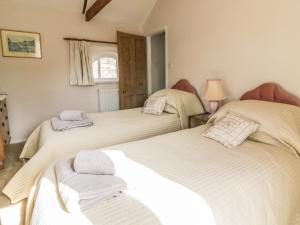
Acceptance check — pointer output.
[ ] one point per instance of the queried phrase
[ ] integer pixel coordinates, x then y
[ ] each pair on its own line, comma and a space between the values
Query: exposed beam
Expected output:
95, 9
84, 6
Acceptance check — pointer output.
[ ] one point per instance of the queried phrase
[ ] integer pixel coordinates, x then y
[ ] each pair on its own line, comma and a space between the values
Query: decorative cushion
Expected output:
232, 130
155, 105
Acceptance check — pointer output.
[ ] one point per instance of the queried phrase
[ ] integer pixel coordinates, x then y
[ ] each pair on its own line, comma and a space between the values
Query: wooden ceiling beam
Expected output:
95, 9
84, 6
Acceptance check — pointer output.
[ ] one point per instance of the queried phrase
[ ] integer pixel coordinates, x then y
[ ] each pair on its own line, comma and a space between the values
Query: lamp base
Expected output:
213, 105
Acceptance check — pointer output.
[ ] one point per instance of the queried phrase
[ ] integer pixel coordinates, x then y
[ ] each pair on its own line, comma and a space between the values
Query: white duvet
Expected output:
184, 178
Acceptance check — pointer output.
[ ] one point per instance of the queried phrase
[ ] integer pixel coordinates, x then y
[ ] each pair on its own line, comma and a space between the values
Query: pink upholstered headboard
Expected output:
184, 85
272, 93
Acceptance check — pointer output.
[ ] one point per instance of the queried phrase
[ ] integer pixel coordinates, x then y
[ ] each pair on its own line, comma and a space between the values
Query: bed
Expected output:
185, 178
168, 122
45, 145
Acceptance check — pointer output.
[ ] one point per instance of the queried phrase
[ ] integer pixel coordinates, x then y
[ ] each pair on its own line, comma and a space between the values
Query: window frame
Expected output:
96, 53
98, 58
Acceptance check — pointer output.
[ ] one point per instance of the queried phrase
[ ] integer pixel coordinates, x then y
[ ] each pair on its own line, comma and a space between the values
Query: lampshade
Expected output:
214, 90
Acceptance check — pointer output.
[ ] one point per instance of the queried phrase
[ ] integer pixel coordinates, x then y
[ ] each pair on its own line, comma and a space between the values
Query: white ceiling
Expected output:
123, 11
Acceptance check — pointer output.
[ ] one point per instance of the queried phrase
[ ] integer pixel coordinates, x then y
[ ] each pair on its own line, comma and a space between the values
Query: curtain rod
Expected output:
87, 40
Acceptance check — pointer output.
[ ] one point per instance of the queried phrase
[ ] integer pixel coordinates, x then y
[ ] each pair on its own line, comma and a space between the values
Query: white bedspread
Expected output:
102, 121
109, 129
192, 181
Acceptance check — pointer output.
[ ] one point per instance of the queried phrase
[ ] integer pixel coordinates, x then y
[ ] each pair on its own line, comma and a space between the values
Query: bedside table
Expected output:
198, 119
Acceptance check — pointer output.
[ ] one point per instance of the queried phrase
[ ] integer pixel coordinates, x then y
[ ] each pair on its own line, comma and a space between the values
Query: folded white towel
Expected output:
97, 162
80, 191
62, 125
71, 115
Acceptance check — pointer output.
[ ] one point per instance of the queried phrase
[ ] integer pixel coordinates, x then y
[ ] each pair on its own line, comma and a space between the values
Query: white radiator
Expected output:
108, 100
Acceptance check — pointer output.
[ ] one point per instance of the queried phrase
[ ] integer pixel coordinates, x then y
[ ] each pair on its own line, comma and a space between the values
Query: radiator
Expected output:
108, 100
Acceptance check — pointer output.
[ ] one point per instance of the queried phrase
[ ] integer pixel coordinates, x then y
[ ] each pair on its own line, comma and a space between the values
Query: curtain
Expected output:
81, 73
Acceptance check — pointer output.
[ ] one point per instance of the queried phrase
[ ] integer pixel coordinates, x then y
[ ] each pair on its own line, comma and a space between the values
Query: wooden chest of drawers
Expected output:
4, 129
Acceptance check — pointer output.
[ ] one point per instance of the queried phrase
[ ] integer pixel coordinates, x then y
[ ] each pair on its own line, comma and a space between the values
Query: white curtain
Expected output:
81, 73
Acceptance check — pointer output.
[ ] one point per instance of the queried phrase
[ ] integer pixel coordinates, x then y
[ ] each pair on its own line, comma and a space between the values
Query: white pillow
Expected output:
179, 101
231, 130
155, 105
280, 121
170, 109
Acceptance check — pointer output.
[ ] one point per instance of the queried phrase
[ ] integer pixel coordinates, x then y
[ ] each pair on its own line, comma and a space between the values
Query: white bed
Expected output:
113, 123
44, 145
194, 180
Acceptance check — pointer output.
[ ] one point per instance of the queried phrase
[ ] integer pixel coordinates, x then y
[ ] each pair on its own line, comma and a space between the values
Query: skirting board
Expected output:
17, 141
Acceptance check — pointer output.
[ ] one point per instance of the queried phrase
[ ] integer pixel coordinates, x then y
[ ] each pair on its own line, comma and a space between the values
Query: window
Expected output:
105, 68
104, 60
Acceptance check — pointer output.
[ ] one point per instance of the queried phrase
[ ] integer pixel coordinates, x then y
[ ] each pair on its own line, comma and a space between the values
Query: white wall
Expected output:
243, 42
38, 88
158, 62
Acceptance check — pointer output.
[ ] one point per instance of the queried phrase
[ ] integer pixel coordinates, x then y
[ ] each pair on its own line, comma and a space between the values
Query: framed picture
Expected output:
21, 44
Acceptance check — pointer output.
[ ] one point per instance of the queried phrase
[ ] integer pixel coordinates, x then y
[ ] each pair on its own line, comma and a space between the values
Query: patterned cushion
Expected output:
231, 130
155, 105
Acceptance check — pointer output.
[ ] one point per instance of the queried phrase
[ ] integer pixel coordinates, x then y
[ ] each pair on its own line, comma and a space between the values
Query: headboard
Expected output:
184, 85
272, 93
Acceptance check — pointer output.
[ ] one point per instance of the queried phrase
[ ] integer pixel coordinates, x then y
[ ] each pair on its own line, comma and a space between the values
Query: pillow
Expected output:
279, 121
176, 100
155, 105
170, 109
263, 137
232, 130
183, 103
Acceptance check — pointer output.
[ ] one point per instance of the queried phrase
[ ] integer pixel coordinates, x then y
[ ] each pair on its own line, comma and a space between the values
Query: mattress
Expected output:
254, 183
109, 129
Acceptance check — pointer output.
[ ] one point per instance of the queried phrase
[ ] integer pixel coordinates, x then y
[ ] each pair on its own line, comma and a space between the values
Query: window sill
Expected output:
106, 81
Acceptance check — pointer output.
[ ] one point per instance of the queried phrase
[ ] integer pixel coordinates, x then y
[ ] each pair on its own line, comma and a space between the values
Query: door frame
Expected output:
149, 71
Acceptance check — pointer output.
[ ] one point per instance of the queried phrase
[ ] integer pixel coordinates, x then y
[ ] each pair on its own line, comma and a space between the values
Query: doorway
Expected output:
157, 70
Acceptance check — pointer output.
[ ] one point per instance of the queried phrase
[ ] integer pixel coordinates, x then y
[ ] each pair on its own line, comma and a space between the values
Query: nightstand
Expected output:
198, 119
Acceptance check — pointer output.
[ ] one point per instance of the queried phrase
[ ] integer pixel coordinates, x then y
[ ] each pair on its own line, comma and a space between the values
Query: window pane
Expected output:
96, 69
108, 68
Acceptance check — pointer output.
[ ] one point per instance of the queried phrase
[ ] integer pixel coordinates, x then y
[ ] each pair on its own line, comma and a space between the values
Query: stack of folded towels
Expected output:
70, 119
88, 178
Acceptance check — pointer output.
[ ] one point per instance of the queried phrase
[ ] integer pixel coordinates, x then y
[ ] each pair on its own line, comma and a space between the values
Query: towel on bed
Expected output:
71, 115
61, 125
96, 162
80, 191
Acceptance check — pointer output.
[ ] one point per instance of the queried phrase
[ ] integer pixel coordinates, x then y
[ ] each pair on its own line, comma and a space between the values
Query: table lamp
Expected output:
214, 94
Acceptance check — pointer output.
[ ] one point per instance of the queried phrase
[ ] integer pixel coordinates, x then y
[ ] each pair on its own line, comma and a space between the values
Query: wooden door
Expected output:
132, 70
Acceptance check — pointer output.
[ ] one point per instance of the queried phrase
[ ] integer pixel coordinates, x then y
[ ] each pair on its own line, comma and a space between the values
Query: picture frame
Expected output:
20, 44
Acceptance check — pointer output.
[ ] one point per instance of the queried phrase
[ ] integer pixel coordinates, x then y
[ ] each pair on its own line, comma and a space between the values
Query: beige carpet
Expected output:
12, 165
